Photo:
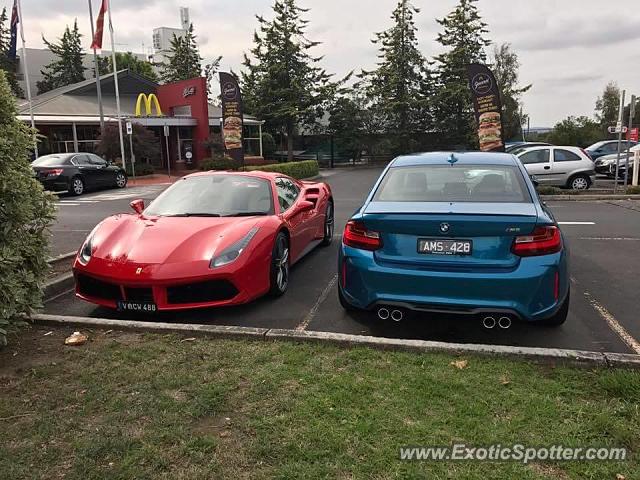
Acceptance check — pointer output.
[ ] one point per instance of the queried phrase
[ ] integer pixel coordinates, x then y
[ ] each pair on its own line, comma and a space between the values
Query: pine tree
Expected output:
463, 37
128, 61
183, 59
7, 64
505, 67
283, 83
68, 67
607, 107
400, 86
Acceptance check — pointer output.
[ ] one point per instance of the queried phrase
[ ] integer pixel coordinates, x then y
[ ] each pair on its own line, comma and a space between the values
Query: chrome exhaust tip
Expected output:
383, 313
504, 322
397, 315
489, 322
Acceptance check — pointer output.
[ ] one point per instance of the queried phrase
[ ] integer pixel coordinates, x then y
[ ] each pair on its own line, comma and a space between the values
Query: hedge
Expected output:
299, 170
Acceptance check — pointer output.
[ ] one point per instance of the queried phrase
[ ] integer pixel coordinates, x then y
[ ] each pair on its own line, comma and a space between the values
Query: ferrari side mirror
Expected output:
137, 205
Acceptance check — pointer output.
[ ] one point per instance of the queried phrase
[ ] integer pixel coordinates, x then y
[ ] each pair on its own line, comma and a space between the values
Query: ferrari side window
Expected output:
287, 193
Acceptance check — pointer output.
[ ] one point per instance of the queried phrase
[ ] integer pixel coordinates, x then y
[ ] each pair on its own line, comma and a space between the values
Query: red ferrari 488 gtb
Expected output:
211, 239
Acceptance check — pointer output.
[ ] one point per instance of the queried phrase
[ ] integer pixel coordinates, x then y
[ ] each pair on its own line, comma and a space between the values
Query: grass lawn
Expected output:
142, 406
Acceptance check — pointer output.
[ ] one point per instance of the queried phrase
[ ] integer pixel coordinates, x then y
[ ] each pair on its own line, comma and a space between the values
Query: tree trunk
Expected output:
289, 140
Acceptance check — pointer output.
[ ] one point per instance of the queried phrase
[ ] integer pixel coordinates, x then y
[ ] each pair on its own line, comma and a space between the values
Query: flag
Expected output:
97, 38
15, 19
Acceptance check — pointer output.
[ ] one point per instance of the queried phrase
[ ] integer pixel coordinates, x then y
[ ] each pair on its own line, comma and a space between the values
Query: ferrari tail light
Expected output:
543, 241
357, 235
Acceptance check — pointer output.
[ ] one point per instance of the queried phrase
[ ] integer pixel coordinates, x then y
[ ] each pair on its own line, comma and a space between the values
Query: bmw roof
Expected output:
461, 158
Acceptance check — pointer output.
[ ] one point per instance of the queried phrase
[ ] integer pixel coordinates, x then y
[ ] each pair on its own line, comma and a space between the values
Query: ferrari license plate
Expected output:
143, 307
438, 246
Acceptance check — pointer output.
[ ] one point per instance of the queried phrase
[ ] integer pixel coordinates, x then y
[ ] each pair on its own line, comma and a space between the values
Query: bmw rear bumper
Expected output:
526, 292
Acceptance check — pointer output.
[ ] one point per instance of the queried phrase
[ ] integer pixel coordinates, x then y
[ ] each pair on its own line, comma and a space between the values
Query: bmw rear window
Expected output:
457, 183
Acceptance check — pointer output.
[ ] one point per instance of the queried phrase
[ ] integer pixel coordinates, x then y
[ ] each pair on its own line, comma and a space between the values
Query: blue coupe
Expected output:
457, 233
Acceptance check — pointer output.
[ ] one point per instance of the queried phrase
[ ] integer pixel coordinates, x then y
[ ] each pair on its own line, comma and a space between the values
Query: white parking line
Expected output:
312, 313
576, 223
614, 324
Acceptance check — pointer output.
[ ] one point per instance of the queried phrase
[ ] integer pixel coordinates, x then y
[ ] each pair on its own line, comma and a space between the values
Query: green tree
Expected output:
347, 125
283, 83
400, 87
26, 212
607, 107
7, 64
579, 131
128, 61
68, 67
463, 37
506, 66
146, 146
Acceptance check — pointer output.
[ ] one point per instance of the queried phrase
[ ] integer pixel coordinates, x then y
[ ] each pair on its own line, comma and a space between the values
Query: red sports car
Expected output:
211, 239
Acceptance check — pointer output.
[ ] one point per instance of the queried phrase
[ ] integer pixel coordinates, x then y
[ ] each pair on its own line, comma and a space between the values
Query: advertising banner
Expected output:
488, 107
231, 116
632, 134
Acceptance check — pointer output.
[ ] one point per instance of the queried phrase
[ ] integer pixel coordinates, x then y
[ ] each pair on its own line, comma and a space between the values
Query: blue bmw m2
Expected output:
456, 233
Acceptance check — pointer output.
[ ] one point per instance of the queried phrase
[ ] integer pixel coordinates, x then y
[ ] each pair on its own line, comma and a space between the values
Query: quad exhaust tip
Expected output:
489, 322
383, 313
397, 315
394, 314
504, 322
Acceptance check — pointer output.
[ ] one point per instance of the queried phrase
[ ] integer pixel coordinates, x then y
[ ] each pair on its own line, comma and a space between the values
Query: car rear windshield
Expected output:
51, 161
214, 195
457, 183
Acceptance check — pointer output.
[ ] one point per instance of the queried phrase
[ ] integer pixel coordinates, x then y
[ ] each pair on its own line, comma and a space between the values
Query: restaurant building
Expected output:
68, 118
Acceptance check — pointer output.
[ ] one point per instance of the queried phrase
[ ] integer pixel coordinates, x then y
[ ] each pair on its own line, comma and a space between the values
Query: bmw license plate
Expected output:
438, 246
142, 307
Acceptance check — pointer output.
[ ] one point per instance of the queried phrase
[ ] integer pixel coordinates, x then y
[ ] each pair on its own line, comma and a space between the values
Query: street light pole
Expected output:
619, 124
632, 113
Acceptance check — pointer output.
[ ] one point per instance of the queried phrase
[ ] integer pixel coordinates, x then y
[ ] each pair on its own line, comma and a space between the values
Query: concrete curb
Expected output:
60, 258
543, 355
57, 286
588, 198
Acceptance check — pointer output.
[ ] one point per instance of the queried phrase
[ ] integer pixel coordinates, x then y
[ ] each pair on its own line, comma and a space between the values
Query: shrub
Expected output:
219, 163
214, 144
306, 169
26, 211
633, 190
546, 190
268, 145
146, 145
142, 169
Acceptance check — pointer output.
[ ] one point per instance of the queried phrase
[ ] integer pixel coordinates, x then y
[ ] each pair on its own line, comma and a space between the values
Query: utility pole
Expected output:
619, 128
632, 113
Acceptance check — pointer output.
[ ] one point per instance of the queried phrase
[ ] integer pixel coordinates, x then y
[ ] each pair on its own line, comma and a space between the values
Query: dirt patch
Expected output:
548, 471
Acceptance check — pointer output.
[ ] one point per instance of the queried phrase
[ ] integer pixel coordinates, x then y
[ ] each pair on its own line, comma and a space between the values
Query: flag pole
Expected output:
95, 62
115, 79
26, 78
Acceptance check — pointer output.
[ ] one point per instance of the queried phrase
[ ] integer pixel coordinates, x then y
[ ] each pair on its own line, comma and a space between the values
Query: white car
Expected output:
607, 163
565, 167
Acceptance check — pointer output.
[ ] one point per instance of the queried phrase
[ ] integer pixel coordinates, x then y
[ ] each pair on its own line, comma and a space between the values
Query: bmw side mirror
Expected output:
138, 206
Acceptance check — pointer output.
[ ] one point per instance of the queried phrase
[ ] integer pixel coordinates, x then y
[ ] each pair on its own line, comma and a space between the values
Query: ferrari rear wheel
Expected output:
280, 266
329, 225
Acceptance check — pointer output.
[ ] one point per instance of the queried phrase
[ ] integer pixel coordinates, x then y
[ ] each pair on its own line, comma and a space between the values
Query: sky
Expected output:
568, 49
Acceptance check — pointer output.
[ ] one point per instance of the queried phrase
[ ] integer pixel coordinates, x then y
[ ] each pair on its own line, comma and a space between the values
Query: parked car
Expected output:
211, 239
604, 163
607, 147
461, 233
512, 147
565, 167
77, 172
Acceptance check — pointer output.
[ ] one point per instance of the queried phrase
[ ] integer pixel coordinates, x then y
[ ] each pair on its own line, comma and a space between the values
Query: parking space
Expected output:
604, 239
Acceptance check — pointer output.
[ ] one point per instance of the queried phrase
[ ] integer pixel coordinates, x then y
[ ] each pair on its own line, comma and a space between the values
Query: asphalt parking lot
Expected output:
604, 238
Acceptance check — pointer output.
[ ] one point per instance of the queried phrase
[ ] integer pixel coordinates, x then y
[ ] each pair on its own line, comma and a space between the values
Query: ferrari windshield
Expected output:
213, 196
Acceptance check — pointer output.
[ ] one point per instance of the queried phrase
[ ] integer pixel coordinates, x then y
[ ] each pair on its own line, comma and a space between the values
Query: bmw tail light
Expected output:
357, 235
543, 241
54, 172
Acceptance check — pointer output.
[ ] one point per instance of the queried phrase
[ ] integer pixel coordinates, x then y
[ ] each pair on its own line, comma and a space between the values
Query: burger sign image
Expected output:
489, 131
232, 131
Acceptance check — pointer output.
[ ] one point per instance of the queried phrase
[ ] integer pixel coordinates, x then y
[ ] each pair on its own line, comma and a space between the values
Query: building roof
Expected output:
81, 99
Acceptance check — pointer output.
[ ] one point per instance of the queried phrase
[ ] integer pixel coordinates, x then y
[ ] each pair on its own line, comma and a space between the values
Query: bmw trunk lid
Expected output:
490, 227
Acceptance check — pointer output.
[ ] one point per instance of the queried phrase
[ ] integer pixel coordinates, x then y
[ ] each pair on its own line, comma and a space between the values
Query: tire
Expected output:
561, 315
579, 182
121, 180
76, 187
329, 225
344, 303
280, 262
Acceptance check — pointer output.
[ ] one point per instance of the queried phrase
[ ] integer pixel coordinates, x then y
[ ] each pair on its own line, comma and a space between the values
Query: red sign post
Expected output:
632, 134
